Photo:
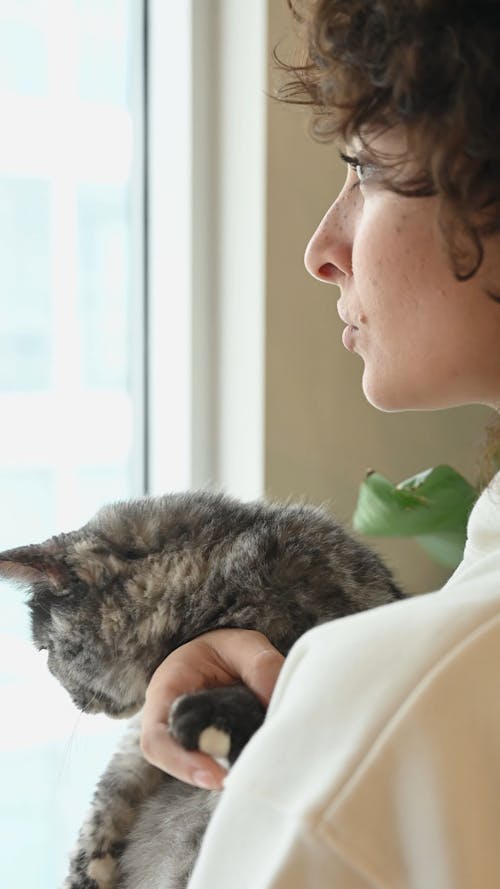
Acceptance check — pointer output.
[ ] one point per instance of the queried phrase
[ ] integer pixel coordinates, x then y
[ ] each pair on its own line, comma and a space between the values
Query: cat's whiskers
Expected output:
97, 697
68, 749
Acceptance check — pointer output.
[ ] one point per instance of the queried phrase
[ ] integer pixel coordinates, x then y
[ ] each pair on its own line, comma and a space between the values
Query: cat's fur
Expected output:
110, 601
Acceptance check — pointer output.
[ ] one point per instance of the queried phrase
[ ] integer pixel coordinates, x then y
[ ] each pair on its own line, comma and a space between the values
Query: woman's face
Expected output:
427, 341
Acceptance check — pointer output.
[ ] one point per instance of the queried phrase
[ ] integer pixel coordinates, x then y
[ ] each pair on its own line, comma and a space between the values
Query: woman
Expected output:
379, 763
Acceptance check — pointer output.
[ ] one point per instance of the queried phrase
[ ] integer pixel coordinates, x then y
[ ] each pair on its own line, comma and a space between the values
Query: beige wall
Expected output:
320, 434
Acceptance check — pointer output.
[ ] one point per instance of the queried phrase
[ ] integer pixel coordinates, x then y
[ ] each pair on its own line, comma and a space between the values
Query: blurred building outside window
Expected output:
71, 419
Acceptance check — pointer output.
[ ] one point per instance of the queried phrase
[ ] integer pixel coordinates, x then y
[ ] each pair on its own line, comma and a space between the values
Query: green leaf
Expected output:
444, 547
432, 506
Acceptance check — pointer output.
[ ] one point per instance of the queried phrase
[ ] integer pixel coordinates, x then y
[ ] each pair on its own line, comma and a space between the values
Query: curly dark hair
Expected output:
432, 66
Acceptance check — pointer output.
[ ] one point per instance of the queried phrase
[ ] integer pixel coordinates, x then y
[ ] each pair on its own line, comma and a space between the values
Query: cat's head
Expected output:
91, 601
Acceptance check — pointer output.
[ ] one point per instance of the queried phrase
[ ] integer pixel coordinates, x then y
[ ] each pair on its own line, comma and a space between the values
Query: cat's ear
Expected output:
27, 565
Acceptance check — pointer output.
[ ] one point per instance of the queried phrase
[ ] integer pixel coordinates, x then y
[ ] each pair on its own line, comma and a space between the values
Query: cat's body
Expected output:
110, 601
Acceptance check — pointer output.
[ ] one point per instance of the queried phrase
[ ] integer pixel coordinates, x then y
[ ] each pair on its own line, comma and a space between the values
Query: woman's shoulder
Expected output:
483, 530
470, 596
371, 714
364, 667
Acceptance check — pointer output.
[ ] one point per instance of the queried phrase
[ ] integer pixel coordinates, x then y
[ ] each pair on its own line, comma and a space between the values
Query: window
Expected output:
129, 206
71, 375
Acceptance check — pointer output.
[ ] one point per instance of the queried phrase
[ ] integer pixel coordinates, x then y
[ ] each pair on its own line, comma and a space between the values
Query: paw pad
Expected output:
214, 742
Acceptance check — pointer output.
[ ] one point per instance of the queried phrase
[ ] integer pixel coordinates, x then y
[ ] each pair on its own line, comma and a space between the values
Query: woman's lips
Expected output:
349, 337
351, 331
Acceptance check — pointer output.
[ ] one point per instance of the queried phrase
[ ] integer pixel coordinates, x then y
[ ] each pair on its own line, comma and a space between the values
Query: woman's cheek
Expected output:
372, 248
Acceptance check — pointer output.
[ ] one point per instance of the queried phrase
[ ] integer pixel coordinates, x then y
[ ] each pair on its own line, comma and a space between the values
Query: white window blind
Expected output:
71, 368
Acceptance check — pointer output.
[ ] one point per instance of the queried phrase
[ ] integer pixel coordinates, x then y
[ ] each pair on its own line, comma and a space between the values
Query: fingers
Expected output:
220, 657
161, 750
249, 657
178, 674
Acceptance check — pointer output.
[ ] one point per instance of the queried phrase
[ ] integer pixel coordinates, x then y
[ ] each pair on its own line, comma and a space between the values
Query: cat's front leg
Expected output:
127, 782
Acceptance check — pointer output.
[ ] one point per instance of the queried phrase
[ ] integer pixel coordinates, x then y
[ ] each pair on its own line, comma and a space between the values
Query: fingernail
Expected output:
205, 780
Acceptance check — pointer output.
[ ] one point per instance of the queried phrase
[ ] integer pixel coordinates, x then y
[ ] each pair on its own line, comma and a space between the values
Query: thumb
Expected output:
263, 674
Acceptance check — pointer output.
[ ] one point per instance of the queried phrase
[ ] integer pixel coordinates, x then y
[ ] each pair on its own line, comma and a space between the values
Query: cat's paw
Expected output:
100, 874
217, 721
93, 871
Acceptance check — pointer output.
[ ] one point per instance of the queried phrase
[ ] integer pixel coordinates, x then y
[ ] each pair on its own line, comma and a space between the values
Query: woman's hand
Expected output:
221, 657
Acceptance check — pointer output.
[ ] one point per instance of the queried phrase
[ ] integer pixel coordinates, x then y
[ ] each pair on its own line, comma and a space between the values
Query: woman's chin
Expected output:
379, 395
391, 396
386, 396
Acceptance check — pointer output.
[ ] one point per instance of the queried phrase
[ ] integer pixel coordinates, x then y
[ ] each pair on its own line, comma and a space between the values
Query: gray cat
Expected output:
110, 601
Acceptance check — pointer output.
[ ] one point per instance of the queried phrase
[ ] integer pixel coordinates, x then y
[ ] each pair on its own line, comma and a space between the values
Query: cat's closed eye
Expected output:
73, 649
132, 554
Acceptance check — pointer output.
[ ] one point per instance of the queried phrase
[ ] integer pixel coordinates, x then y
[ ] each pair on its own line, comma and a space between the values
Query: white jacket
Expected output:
379, 762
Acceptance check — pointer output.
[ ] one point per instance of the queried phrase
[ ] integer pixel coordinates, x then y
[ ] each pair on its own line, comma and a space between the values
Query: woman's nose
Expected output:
328, 255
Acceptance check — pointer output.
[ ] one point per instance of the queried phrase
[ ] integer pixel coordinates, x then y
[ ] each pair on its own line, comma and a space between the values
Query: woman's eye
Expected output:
363, 170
